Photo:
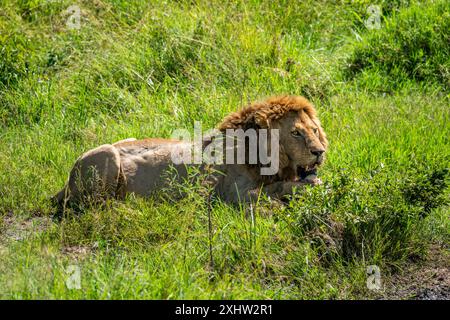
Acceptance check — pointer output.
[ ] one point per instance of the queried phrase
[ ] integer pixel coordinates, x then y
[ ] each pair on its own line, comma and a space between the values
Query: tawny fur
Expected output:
264, 112
137, 166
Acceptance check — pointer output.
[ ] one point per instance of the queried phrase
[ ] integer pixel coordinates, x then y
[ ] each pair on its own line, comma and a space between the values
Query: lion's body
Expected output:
131, 166
138, 166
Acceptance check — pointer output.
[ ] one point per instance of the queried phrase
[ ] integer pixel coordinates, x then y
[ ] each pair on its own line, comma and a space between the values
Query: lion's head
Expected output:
302, 139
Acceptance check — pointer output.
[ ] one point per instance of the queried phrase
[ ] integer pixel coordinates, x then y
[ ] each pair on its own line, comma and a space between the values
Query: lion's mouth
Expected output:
303, 172
308, 174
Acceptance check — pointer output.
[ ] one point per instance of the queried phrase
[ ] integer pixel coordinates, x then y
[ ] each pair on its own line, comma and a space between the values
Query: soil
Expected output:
16, 228
424, 280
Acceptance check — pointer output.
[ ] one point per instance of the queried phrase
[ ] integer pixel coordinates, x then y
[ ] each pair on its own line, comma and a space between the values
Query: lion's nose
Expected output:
317, 153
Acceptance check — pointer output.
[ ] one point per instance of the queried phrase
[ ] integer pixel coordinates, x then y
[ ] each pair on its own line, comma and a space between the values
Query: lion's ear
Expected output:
249, 118
252, 123
237, 120
261, 120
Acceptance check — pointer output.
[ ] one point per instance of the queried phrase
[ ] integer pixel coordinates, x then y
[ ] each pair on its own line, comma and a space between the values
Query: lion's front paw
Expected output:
313, 179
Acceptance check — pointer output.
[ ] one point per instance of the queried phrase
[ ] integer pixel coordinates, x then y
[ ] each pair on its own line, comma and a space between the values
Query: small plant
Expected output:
377, 215
426, 189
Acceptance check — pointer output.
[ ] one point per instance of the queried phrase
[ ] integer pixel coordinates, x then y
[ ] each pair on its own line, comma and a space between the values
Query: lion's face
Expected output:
302, 140
303, 143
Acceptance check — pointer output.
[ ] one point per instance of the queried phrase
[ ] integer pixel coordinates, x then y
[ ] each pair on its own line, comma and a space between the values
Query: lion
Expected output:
138, 166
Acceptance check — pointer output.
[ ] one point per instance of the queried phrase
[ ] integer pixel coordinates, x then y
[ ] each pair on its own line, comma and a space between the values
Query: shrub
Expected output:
378, 215
411, 45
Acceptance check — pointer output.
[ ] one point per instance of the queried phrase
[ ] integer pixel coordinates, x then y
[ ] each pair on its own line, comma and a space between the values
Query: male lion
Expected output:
137, 166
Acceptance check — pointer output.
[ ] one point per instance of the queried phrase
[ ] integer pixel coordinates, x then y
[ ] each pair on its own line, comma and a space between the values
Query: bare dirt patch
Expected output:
77, 252
427, 280
17, 228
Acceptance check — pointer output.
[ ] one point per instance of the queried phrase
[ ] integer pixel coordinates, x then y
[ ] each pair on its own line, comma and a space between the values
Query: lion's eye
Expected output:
315, 130
297, 133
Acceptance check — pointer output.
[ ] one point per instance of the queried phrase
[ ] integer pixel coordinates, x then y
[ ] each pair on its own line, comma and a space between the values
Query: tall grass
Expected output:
142, 69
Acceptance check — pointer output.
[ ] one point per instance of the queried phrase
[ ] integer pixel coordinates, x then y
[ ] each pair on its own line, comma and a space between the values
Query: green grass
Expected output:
412, 45
142, 69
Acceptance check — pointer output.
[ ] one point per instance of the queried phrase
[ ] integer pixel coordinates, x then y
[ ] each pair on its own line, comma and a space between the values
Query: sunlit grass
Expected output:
142, 69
